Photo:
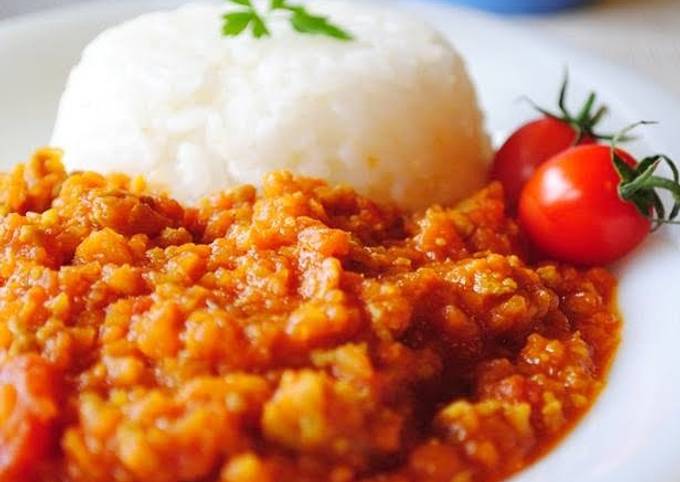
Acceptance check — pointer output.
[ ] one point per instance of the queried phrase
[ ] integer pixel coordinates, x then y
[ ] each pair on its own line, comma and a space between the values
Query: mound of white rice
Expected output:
392, 113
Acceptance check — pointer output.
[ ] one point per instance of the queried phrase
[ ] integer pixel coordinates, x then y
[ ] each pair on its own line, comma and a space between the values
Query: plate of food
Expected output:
331, 241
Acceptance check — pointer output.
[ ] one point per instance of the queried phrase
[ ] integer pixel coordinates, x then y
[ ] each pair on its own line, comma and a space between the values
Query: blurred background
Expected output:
640, 34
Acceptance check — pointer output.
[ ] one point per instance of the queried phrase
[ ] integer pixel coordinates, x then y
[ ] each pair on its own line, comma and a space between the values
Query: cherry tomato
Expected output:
28, 411
529, 147
572, 211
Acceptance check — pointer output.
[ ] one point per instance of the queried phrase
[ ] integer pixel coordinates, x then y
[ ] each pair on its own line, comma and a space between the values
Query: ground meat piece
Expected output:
300, 334
29, 408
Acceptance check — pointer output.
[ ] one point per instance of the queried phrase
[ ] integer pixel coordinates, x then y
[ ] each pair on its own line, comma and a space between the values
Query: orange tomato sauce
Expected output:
299, 334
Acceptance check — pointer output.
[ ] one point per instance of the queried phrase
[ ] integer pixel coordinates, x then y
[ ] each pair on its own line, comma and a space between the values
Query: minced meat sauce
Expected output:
301, 334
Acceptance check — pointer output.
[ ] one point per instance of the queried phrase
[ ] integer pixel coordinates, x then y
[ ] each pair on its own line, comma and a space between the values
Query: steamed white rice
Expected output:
392, 113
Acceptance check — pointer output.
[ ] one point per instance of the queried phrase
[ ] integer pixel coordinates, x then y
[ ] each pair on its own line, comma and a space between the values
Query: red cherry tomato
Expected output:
572, 211
529, 147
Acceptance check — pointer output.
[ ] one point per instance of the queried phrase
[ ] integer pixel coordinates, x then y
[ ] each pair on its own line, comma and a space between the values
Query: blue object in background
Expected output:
522, 6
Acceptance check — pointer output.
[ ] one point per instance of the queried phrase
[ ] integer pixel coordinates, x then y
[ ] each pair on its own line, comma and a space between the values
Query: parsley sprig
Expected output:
236, 23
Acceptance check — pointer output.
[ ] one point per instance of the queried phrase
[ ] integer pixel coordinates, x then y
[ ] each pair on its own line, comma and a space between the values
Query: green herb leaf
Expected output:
260, 28
303, 22
235, 23
300, 19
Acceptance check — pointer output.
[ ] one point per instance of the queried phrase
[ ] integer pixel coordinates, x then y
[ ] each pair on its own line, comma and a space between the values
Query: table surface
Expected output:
641, 34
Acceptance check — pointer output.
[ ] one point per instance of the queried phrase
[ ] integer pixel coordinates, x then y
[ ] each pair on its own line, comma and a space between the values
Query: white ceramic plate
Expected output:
633, 433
